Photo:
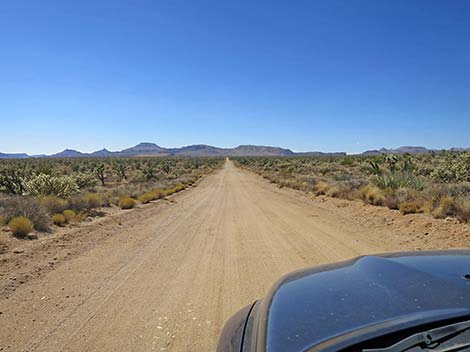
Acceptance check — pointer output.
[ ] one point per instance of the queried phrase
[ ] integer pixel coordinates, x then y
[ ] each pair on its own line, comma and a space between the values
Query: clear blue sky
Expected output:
308, 75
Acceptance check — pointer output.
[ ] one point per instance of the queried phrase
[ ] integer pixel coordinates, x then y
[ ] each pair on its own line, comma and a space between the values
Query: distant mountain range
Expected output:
152, 149
411, 150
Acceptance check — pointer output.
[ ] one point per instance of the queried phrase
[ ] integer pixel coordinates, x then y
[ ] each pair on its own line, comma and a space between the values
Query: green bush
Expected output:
20, 226
58, 219
127, 203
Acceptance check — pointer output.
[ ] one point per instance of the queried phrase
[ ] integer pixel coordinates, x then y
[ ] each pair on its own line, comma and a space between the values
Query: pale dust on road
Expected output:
169, 279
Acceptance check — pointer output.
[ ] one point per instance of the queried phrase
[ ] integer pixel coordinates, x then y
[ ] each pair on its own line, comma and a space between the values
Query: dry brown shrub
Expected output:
411, 207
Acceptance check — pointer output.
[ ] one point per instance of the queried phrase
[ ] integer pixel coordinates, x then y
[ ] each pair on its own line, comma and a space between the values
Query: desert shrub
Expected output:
179, 187
53, 204
84, 180
158, 193
446, 208
20, 226
459, 189
69, 215
85, 201
462, 210
310, 181
410, 207
371, 195
321, 188
127, 203
24, 206
343, 190
391, 201
146, 197
334, 191
43, 185
168, 191
58, 219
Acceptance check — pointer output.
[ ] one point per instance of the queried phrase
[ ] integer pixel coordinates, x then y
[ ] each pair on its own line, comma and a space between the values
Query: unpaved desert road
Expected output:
174, 272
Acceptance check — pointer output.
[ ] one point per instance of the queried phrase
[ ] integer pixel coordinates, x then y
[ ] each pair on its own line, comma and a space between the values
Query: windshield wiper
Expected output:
445, 338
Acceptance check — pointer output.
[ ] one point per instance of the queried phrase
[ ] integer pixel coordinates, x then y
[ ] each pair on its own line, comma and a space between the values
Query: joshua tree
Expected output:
120, 167
391, 160
99, 172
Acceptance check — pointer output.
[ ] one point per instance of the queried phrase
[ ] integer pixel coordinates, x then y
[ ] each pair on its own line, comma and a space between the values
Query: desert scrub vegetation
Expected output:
60, 191
437, 184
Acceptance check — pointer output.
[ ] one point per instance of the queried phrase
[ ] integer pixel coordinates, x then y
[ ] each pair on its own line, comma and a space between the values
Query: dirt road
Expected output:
166, 276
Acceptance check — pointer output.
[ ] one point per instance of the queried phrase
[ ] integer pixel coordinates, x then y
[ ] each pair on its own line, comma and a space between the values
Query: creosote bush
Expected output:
20, 226
127, 203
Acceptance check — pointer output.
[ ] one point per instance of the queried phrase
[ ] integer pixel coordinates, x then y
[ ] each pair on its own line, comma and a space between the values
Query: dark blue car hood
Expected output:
324, 307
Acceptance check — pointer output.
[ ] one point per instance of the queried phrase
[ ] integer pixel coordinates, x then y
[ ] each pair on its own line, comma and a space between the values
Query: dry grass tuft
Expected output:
20, 226
321, 188
372, 195
127, 203
70, 215
59, 219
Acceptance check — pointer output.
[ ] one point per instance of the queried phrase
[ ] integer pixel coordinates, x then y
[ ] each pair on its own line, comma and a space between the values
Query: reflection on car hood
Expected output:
309, 307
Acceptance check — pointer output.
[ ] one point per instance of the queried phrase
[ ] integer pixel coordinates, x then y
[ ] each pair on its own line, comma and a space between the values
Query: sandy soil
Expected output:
165, 276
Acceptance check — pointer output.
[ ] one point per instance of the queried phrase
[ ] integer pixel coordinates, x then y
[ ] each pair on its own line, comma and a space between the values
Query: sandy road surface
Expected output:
172, 273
